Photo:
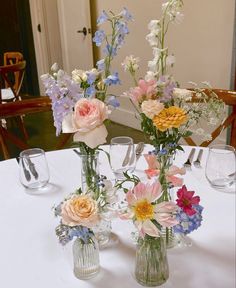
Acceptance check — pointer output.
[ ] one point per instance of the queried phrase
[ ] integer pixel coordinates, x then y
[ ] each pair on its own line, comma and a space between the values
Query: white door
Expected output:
75, 31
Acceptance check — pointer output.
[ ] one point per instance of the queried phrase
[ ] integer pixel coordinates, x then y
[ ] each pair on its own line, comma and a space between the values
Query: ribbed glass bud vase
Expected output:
86, 258
151, 266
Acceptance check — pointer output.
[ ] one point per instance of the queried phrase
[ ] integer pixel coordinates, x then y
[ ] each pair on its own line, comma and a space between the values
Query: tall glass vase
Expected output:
89, 171
86, 258
89, 181
165, 162
151, 266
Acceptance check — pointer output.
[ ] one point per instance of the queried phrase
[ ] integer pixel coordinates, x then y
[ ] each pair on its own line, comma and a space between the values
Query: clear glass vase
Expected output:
151, 266
86, 258
168, 232
89, 182
89, 171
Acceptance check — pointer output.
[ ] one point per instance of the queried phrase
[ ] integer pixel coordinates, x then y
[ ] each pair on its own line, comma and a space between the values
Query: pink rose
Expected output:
87, 122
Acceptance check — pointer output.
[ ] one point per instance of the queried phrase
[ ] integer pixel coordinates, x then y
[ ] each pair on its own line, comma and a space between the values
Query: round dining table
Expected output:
31, 257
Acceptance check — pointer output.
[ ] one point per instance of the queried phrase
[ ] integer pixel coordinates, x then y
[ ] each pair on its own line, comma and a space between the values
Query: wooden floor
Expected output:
42, 133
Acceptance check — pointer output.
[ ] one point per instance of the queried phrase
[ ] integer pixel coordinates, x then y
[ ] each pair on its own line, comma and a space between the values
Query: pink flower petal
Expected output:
149, 228
151, 173
175, 181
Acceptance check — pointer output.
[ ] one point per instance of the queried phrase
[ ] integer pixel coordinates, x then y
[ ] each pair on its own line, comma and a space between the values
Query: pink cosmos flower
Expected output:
153, 170
186, 200
87, 122
143, 210
144, 91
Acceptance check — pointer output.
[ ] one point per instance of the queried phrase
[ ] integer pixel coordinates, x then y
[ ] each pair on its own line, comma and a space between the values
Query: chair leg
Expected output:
5, 151
21, 125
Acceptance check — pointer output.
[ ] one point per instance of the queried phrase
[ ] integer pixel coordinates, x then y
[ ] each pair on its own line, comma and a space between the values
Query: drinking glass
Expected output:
34, 171
221, 166
122, 155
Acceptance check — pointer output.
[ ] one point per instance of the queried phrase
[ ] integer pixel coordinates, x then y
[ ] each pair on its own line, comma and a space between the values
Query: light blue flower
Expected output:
112, 101
99, 37
91, 91
187, 223
91, 77
102, 18
110, 50
126, 14
101, 64
112, 79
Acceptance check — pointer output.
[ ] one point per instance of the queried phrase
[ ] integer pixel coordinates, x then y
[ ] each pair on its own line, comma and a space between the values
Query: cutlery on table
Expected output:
197, 162
137, 153
139, 150
188, 163
127, 156
26, 172
32, 168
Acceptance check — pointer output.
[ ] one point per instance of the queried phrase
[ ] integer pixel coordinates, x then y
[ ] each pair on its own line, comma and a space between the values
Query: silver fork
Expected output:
188, 163
197, 162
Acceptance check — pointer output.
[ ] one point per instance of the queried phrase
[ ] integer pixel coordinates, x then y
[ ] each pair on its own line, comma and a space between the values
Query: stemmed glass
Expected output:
122, 155
221, 166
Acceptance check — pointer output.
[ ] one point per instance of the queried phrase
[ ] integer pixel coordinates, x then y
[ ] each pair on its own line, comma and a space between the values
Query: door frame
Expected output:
41, 45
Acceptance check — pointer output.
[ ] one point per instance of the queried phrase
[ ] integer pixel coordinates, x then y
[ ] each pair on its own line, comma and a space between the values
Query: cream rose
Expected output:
80, 210
87, 122
151, 108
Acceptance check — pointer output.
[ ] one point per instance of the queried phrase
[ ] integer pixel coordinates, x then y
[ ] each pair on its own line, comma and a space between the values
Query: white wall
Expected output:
202, 44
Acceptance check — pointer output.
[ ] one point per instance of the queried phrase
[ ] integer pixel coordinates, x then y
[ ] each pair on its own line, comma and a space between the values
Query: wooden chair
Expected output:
12, 76
229, 98
11, 81
17, 109
10, 58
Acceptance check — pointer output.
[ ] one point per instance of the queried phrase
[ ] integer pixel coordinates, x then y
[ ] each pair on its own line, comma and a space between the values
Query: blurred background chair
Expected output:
17, 109
229, 98
11, 81
11, 58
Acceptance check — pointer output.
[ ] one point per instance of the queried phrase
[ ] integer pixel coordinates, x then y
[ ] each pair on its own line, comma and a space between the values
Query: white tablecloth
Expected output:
30, 256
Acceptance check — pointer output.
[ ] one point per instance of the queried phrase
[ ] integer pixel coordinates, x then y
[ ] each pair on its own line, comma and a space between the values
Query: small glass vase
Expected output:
151, 266
86, 258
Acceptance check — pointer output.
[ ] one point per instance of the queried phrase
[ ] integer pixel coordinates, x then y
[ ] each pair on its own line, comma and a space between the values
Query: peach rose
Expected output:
80, 210
87, 122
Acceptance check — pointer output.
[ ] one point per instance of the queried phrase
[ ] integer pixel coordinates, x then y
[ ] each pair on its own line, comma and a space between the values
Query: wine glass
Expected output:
122, 156
221, 166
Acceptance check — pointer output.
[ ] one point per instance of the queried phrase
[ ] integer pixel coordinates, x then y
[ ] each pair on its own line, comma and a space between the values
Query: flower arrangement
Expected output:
81, 212
81, 103
163, 108
166, 112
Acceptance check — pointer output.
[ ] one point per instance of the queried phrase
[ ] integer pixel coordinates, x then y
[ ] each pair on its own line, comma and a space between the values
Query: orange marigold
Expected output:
169, 118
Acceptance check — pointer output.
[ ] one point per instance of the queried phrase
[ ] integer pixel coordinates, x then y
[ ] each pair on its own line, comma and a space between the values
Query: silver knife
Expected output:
126, 159
139, 150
